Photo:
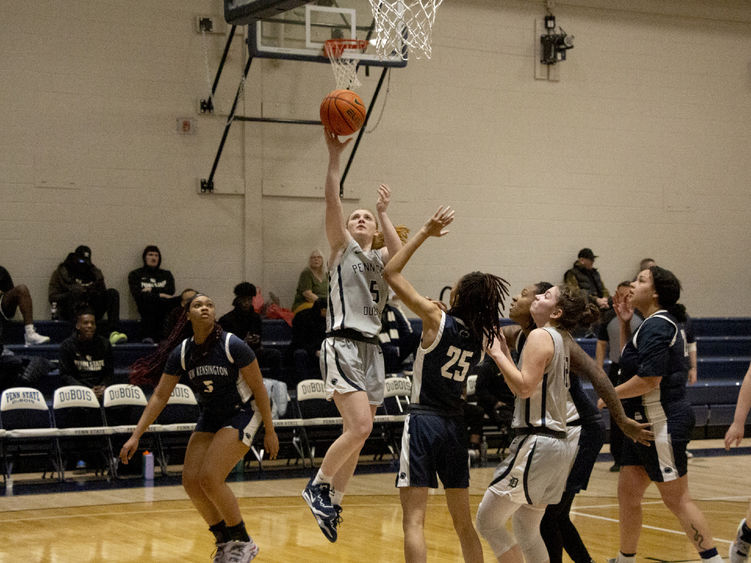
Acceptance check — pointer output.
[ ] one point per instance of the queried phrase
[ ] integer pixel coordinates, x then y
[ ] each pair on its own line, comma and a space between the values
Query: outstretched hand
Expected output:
638, 431
333, 143
384, 198
436, 225
623, 307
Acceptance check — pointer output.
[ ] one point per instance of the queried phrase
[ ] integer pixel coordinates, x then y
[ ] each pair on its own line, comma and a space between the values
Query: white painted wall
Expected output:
641, 149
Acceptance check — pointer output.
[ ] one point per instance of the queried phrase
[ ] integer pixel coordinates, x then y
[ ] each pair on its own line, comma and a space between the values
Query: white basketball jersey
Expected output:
357, 291
547, 407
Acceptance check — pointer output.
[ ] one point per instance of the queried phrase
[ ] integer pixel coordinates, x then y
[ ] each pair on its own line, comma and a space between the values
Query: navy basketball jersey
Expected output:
656, 349
357, 291
441, 369
214, 377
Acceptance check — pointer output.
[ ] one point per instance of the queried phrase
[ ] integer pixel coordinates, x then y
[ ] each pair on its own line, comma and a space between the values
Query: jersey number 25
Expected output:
459, 358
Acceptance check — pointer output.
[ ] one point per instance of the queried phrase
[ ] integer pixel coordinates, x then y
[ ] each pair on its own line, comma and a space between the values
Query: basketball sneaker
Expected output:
218, 555
739, 549
318, 498
118, 338
328, 526
238, 551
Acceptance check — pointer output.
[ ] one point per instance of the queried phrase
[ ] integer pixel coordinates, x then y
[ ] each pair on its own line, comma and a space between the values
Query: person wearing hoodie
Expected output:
76, 283
152, 288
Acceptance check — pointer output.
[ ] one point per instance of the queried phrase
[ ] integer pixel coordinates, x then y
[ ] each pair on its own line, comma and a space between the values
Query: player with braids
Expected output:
223, 372
434, 437
534, 473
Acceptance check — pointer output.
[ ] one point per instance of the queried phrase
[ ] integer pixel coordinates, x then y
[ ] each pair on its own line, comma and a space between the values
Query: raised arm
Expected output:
390, 237
336, 231
424, 308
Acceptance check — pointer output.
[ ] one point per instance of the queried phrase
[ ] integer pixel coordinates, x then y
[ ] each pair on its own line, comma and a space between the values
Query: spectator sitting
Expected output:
152, 289
85, 357
14, 297
76, 283
245, 323
308, 332
313, 283
585, 276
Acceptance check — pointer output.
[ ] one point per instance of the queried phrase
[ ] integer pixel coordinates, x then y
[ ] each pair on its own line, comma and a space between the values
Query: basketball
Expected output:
342, 112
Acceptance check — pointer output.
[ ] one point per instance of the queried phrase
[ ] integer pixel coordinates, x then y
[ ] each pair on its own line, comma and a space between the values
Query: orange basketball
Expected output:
342, 112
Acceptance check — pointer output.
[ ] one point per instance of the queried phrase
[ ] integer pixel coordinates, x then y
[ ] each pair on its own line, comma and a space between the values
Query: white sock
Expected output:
337, 497
29, 329
321, 478
623, 559
715, 559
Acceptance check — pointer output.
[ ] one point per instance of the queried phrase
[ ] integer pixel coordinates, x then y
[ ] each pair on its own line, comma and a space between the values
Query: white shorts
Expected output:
350, 365
535, 471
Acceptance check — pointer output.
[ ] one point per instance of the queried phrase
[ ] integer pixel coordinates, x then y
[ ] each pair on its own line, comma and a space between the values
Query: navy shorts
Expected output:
665, 459
246, 421
433, 444
591, 439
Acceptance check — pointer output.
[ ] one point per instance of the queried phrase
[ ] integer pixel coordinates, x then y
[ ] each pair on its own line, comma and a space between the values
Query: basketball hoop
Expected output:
401, 23
345, 67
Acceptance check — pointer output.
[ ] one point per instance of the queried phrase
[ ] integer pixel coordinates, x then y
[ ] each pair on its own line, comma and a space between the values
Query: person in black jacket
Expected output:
246, 324
308, 332
153, 289
85, 357
77, 283
585, 276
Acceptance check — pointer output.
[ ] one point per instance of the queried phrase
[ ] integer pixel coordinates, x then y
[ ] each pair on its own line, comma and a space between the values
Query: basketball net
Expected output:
345, 68
404, 22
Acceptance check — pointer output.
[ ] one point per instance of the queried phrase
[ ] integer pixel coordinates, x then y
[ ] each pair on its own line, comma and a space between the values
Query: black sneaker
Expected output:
328, 527
318, 498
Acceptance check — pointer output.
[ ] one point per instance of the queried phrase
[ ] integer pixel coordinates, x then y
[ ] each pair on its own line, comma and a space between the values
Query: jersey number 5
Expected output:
461, 359
374, 291
209, 384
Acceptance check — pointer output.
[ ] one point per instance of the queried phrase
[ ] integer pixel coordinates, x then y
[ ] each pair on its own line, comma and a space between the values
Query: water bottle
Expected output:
54, 314
148, 465
483, 451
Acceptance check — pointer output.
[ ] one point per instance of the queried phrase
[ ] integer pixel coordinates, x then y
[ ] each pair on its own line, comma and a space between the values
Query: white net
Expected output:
344, 67
404, 22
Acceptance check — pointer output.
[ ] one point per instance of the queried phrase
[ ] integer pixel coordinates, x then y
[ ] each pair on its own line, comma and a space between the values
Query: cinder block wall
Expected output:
640, 149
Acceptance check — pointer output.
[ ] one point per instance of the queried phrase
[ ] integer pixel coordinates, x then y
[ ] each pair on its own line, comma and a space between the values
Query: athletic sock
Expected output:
238, 532
336, 497
626, 558
29, 328
220, 531
710, 555
321, 478
745, 532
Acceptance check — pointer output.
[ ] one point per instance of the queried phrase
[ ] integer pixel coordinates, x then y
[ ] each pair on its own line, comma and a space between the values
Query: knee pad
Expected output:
492, 515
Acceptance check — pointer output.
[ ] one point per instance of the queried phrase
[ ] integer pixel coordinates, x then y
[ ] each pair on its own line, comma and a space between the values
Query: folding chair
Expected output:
320, 417
28, 430
391, 414
123, 405
81, 426
175, 424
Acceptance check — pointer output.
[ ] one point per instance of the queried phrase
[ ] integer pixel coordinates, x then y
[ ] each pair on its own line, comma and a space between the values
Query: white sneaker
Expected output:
219, 552
738, 552
33, 337
240, 551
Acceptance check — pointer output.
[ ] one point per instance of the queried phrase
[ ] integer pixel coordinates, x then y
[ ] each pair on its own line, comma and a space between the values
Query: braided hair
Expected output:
146, 371
478, 301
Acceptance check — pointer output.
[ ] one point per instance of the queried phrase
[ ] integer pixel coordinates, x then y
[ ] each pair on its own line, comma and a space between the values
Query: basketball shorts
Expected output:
535, 471
665, 459
246, 421
586, 441
433, 444
350, 365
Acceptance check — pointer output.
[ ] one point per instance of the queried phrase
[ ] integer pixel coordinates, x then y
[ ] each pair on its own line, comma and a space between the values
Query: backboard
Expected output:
300, 33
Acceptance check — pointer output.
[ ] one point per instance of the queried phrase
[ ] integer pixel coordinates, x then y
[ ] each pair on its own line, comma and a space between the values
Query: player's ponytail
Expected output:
668, 290
478, 302
575, 309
